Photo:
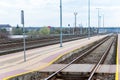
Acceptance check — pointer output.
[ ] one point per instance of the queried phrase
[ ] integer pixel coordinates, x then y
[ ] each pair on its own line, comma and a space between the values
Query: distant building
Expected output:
109, 30
32, 28
6, 26
5, 30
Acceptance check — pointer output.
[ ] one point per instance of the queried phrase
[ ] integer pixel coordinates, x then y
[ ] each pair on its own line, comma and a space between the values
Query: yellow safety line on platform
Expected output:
117, 63
46, 65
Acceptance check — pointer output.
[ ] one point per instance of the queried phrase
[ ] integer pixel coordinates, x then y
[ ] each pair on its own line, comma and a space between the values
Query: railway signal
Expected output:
22, 22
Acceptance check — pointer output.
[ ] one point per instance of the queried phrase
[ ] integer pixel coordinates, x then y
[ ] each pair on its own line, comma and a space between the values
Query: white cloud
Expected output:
46, 12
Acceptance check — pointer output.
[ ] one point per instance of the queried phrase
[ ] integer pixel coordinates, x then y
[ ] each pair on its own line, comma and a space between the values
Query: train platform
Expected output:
80, 68
118, 59
12, 65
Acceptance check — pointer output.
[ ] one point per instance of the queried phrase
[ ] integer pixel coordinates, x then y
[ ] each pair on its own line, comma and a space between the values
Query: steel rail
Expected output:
8, 49
53, 40
101, 60
6, 41
35, 41
85, 53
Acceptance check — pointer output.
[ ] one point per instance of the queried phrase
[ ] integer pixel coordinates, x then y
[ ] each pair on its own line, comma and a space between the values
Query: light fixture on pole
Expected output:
60, 23
22, 22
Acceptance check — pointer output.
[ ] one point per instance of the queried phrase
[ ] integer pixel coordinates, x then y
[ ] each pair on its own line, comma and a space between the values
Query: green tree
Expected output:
57, 31
3, 33
44, 31
3, 30
17, 31
32, 33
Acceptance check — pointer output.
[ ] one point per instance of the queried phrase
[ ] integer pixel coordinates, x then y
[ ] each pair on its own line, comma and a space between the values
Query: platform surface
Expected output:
80, 68
118, 59
12, 65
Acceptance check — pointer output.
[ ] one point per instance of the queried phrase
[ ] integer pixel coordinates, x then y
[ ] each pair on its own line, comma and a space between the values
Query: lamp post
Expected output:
22, 22
75, 14
60, 23
88, 19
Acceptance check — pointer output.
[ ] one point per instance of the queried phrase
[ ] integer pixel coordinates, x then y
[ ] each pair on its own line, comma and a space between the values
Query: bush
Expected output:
44, 31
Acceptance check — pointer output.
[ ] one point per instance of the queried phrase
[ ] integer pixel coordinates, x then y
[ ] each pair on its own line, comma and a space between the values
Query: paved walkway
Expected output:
12, 65
79, 68
118, 60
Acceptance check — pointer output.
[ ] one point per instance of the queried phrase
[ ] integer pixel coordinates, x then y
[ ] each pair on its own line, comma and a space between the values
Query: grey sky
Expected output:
46, 12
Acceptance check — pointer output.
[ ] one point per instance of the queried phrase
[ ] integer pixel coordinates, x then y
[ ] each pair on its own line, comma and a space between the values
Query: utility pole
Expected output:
88, 19
60, 23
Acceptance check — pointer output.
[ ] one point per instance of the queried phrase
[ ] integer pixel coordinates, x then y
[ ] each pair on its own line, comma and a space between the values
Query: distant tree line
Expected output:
41, 32
44, 31
3, 33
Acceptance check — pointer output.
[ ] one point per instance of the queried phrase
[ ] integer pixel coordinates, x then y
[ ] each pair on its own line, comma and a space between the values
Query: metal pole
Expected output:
98, 20
103, 23
73, 29
22, 22
81, 29
60, 23
103, 20
69, 28
75, 19
75, 13
100, 17
80, 25
88, 19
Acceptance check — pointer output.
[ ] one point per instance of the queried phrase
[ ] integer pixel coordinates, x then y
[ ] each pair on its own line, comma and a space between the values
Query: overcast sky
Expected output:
46, 12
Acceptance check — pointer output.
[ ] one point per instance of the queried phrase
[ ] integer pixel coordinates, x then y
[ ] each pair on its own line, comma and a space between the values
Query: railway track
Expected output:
101, 60
57, 75
17, 45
